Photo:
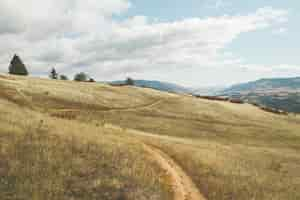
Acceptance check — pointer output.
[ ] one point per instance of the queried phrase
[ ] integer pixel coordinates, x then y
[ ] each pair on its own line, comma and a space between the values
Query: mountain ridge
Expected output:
278, 93
267, 83
158, 85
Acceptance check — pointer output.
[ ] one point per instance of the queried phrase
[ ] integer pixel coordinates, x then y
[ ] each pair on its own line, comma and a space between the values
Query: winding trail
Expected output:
138, 107
150, 105
182, 185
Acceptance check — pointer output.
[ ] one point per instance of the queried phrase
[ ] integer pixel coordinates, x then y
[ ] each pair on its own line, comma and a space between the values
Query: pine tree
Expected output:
17, 67
53, 74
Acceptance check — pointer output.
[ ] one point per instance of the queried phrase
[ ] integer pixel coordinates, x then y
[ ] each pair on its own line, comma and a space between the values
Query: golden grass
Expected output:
231, 151
52, 158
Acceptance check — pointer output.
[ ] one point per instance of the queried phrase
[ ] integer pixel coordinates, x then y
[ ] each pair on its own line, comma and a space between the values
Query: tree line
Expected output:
17, 67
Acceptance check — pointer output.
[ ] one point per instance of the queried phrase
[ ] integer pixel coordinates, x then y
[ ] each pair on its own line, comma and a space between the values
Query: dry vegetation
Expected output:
44, 157
88, 143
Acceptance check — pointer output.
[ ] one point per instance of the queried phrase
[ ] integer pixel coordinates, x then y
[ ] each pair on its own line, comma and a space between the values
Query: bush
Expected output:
92, 80
63, 77
81, 77
129, 81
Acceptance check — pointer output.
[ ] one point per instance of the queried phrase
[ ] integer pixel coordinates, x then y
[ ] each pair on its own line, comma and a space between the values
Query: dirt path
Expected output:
183, 186
150, 105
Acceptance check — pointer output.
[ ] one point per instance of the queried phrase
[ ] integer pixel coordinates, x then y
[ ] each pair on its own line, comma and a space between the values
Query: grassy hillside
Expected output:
158, 85
46, 157
231, 151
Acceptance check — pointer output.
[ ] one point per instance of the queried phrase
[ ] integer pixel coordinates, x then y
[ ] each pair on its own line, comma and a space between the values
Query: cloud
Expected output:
84, 36
189, 42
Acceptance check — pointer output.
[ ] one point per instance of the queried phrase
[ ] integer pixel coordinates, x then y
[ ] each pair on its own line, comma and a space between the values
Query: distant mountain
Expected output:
279, 93
158, 85
285, 84
207, 91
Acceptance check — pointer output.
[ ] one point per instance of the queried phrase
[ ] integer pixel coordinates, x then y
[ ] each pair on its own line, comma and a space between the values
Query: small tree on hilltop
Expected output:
129, 81
81, 77
63, 77
17, 67
53, 74
92, 80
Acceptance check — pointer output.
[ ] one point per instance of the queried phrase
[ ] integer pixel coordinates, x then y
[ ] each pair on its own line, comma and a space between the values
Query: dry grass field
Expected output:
45, 157
67, 140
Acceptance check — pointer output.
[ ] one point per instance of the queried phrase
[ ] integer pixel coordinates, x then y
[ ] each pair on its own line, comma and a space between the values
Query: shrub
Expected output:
63, 77
81, 77
129, 81
92, 80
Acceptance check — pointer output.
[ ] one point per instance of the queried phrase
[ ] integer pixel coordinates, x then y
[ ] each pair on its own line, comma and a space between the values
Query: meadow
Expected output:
46, 157
62, 140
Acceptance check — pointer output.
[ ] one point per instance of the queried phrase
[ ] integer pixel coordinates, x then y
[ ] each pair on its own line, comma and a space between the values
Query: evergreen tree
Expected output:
53, 74
17, 67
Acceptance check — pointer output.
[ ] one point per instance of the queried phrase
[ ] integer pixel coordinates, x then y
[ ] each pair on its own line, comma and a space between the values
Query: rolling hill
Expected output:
158, 85
279, 93
70, 140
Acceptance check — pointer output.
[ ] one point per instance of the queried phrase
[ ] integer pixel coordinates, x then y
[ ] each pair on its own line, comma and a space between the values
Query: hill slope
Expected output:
158, 85
228, 151
280, 93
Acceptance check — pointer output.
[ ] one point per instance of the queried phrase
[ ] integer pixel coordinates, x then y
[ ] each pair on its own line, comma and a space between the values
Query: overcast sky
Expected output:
191, 42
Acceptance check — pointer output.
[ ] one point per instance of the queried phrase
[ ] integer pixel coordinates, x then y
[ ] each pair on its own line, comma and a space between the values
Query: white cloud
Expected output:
77, 35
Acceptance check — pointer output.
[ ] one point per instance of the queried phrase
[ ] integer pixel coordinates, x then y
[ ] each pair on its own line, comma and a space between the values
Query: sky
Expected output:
194, 43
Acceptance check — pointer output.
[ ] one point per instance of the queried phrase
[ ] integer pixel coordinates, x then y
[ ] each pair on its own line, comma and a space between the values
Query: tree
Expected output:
129, 81
81, 77
92, 80
63, 77
17, 67
53, 74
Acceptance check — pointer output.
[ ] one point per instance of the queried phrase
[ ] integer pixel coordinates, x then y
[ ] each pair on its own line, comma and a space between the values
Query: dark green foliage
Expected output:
81, 77
129, 81
17, 67
53, 74
92, 80
63, 77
